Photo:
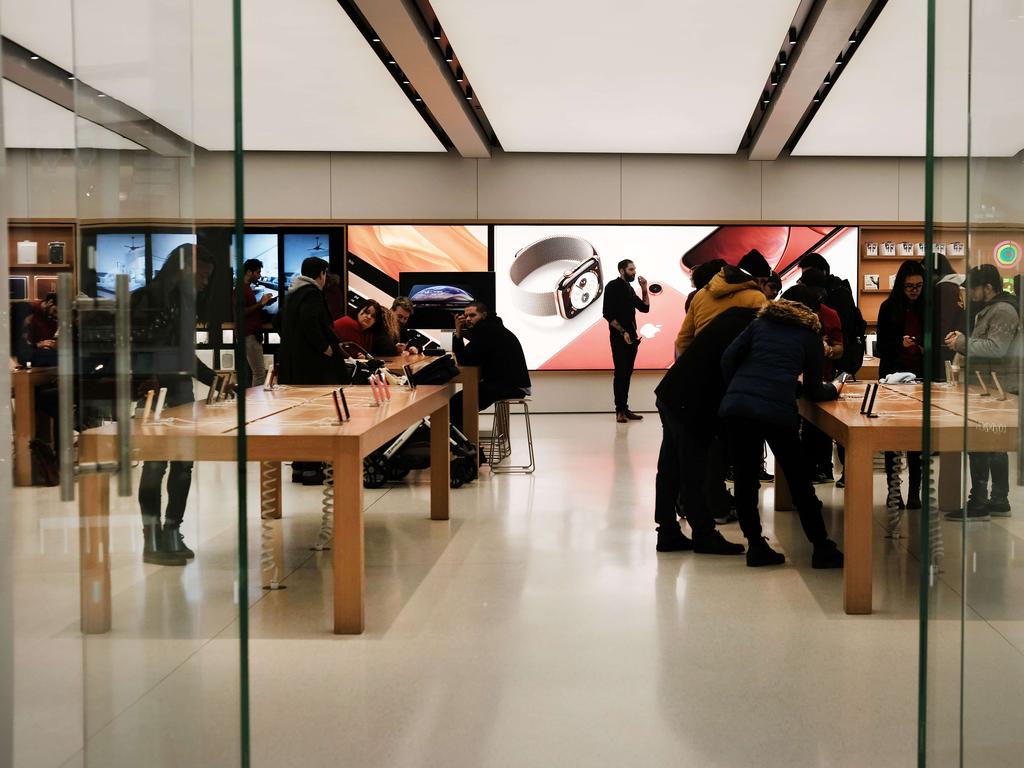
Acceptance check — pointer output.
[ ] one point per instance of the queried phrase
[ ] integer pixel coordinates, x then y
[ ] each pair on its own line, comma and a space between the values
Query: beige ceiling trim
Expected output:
401, 30
824, 36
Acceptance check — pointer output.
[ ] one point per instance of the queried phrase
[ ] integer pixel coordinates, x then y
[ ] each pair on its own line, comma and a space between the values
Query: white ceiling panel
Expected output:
32, 122
613, 76
311, 82
877, 107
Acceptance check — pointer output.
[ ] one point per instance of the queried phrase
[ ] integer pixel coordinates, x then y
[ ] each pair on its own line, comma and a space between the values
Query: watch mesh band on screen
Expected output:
560, 300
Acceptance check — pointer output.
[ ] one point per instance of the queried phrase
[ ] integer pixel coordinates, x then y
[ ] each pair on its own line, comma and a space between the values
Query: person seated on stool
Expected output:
481, 339
761, 367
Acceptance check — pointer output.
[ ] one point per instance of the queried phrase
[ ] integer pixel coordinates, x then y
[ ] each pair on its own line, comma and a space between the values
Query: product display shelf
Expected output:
30, 280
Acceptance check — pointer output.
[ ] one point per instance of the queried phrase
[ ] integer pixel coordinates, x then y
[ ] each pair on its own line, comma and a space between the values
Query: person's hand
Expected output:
626, 337
412, 350
460, 323
329, 352
400, 347
643, 282
951, 339
265, 299
47, 344
909, 342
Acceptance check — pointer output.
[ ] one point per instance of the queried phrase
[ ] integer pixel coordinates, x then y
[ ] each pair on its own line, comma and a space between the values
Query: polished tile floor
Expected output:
538, 627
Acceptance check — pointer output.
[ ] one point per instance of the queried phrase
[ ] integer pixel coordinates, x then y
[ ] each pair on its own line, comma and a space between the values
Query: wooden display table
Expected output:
24, 382
289, 423
868, 370
992, 426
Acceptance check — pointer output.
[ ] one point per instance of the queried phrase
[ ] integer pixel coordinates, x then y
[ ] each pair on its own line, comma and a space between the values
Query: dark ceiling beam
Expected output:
400, 27
44, 78
826, 34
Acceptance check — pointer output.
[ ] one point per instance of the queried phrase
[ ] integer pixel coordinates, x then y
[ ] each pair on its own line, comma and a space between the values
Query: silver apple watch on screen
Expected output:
577, 289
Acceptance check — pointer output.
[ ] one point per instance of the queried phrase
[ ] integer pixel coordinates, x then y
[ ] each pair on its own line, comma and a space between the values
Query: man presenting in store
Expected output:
620, 307
252, 273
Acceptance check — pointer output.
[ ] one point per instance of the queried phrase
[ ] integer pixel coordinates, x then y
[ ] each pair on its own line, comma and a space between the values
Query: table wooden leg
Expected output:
94, 552
949, 481
348, 554
440, 469
471, 407
24, 428
271, 534
859, 526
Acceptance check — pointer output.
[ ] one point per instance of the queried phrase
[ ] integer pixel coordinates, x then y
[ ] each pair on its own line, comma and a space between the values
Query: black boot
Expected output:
716, 544
670, 540
152, 550
826, 555
174, 543
759, 553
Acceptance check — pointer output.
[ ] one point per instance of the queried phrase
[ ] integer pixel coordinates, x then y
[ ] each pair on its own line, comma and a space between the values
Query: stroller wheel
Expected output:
375, 472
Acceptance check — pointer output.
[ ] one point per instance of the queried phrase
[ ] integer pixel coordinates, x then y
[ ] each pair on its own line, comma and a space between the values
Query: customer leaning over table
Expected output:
994, 350
761, 368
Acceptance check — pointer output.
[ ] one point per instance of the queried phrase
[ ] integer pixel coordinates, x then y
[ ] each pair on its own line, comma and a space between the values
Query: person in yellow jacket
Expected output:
740, 286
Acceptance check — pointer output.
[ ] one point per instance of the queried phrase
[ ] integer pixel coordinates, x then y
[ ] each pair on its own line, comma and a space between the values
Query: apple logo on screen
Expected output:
649, 330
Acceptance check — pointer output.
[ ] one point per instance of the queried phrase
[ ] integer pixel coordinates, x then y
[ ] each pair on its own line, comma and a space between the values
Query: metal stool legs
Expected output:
500, 447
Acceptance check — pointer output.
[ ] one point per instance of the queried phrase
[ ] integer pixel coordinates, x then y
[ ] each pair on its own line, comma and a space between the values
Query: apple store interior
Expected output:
541, 383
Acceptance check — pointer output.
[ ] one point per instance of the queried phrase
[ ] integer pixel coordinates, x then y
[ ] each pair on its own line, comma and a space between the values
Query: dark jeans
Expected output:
817, 447
179, 481
682, 466
744, 438
714, 481
985, 465
623, 356
490, 393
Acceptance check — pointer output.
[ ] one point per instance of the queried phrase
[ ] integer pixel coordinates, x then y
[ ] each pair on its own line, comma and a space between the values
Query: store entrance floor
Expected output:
537, 628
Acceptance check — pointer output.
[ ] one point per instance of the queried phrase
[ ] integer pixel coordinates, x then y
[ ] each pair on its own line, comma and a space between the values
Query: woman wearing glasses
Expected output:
900, 349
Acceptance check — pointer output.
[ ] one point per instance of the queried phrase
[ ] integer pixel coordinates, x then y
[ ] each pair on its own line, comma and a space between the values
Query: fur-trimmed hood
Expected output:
790, 313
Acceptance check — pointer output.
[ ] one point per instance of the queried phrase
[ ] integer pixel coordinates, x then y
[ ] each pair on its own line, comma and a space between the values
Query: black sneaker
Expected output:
673, 541
716, 544
760, 554
998, 507
821, 478
765, 476
174, 542
153, 551
827, 555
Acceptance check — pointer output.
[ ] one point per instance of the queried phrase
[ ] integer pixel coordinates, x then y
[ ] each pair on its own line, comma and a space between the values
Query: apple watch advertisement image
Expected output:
550, 281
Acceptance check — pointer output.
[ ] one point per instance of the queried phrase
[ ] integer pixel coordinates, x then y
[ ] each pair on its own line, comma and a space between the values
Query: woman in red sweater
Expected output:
373, 328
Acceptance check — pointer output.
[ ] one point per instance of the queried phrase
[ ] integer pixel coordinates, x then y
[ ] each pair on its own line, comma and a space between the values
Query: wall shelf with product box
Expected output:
883, 249
38, 251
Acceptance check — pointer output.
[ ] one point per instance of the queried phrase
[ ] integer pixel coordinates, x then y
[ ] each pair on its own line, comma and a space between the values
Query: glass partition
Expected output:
126, 539
972, 629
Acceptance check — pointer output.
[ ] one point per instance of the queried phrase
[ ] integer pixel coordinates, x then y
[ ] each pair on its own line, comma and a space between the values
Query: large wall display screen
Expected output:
379, 253
550, 280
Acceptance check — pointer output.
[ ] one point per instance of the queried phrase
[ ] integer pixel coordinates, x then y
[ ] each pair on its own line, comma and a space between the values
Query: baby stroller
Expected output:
411, 450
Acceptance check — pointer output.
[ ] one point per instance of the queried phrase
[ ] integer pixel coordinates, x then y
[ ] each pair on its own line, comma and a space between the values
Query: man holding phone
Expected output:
253, 272
620, 307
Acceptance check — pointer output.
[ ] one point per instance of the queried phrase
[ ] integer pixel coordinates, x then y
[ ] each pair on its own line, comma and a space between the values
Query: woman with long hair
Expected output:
360, 326
900, 349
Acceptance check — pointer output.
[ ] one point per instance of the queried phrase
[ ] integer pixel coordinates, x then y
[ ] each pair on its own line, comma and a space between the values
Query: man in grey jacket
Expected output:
994, 350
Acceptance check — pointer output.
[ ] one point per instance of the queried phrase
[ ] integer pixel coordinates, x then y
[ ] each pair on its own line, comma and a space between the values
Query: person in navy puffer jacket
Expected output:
761, 367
